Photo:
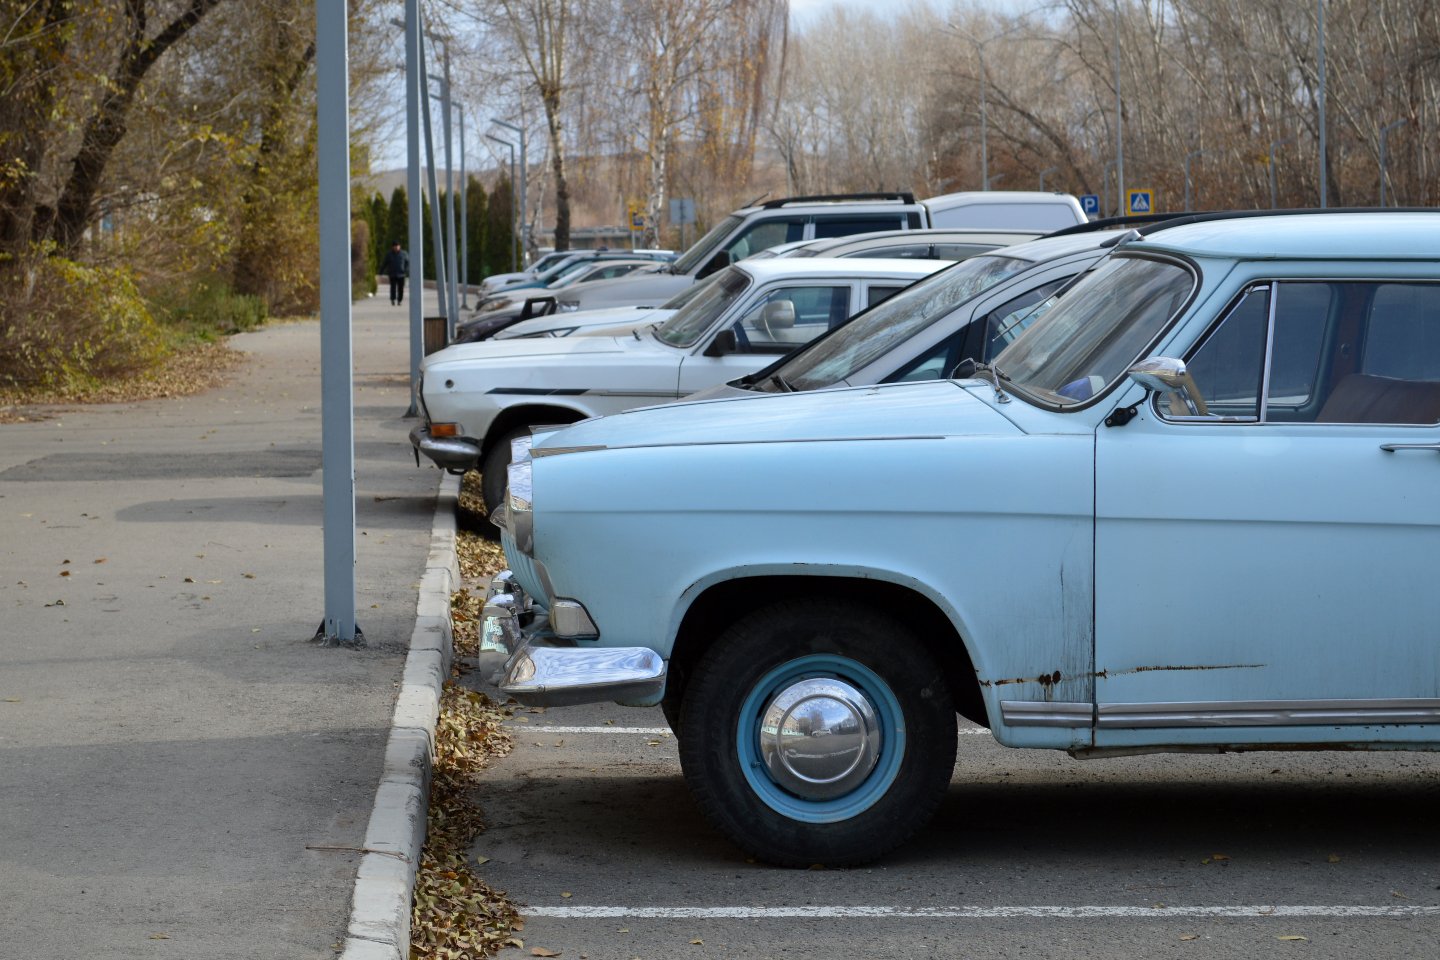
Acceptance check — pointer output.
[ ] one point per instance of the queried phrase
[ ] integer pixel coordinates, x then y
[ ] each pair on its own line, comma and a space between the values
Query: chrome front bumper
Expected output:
451, 453
545, 672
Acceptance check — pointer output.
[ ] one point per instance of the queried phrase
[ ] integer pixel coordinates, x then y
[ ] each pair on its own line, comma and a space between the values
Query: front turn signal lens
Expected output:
444, 429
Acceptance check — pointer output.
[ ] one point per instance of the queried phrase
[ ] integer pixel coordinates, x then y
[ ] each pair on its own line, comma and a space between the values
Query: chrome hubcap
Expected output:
819, 738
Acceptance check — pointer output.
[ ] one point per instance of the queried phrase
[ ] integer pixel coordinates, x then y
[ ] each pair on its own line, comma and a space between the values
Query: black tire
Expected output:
792, 642
493, 472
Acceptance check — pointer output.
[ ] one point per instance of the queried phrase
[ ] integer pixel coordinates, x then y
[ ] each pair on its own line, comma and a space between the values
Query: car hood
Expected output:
531, 351
930, 409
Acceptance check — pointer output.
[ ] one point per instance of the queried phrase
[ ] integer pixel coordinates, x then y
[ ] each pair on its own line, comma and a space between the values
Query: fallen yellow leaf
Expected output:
567, 894
1190, 936
1333, 858
697, 943
542, 952
1291, 936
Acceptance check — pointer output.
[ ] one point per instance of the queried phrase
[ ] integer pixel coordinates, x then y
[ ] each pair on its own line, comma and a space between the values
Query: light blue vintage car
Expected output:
1193, 507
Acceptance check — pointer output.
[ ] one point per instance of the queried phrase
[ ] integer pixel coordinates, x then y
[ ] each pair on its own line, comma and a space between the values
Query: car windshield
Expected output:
700, 252
688, 294
875, 332
1087, 340
692, 320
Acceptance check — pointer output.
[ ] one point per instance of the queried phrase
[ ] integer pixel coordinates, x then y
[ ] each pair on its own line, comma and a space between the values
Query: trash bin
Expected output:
436, 334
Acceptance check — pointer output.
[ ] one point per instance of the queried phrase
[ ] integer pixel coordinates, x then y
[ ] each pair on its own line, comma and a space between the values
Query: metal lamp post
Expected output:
514, 265
524, 176
1043, 173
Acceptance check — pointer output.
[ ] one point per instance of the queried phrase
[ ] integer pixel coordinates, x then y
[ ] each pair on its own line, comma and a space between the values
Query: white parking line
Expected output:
642, 731
973, 913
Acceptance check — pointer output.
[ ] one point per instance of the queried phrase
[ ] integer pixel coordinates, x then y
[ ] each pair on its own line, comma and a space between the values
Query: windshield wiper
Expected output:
782, 383
968, 369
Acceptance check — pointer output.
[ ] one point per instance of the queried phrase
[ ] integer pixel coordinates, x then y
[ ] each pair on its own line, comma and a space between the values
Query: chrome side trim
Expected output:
538, 452
1268, 713
563, 676
1030, 713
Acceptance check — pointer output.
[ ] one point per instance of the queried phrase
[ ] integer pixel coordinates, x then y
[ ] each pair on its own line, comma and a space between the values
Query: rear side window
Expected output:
843, 226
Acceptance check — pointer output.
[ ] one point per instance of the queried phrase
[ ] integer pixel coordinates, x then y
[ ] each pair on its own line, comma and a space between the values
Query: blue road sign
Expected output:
1139, 202
1090, 203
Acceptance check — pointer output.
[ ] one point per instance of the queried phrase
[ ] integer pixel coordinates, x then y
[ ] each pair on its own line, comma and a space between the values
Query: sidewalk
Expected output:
183, 773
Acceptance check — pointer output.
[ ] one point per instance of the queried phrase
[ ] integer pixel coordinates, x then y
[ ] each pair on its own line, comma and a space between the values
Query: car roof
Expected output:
1321, 235
832, 267
1048, 248
940, 235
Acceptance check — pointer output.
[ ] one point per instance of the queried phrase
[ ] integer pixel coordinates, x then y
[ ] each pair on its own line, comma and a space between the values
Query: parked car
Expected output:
498, 281
611, 320
755, 228
477, 397
1189, 508
513, 304
970, 311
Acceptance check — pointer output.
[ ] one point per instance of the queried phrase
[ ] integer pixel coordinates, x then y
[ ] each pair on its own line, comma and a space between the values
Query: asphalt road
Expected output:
1033, 854
183, 773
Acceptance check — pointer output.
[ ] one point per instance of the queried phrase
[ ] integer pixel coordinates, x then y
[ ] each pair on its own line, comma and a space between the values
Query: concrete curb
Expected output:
385, 884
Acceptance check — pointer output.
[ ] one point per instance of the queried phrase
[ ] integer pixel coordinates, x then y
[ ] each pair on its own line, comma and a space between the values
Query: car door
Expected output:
1267, 561
759, 337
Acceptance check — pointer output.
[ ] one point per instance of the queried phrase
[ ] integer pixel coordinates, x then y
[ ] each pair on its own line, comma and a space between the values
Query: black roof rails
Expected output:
902, 197
1253, 214
1110, 223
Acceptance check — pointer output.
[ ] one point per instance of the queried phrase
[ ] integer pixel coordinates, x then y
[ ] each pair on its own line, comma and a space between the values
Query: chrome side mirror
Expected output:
1170, 376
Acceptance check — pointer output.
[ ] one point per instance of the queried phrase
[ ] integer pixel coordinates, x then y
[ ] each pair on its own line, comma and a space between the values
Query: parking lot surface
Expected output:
183, 773
1033, 854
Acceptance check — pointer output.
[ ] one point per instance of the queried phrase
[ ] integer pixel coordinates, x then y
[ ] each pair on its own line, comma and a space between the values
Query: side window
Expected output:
1011, 318
764, 235
879, 294
843, 226
1403, 337
1339, 352
770, 327
1228, 366
934, 364
908, 251
960, 251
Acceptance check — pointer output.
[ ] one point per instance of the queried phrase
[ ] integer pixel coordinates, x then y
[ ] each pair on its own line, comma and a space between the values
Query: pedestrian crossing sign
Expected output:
1139, 202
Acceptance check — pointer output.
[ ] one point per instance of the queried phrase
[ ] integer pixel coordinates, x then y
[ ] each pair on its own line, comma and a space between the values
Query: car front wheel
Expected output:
817, 732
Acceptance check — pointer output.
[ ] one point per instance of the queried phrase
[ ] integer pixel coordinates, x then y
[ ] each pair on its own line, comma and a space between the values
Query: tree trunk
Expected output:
103, 132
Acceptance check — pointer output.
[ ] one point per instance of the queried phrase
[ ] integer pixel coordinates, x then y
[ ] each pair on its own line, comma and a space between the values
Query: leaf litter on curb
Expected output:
456, 914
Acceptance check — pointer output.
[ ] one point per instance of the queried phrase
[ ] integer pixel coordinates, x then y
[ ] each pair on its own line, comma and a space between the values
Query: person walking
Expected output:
397, 268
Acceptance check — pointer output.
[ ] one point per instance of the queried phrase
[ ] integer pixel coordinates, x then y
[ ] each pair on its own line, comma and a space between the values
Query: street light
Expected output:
524, 175
1320, 50
1188, 157
464, 267
1105, 187
1119, 116
1385, 154
1047, 170
511, 147
1273, 145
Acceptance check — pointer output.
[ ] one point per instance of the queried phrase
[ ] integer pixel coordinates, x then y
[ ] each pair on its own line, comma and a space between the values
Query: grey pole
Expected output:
413, 94
436, 247
337, 418
524, 176
1043, 173
1188, 157
990, 180
464, 271
1385, 154
1320, 44
1119, 121
506, 143
451, 289
1273, 145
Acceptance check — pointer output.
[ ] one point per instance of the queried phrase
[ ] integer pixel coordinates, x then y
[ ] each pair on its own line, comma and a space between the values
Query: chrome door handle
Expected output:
1392, 447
